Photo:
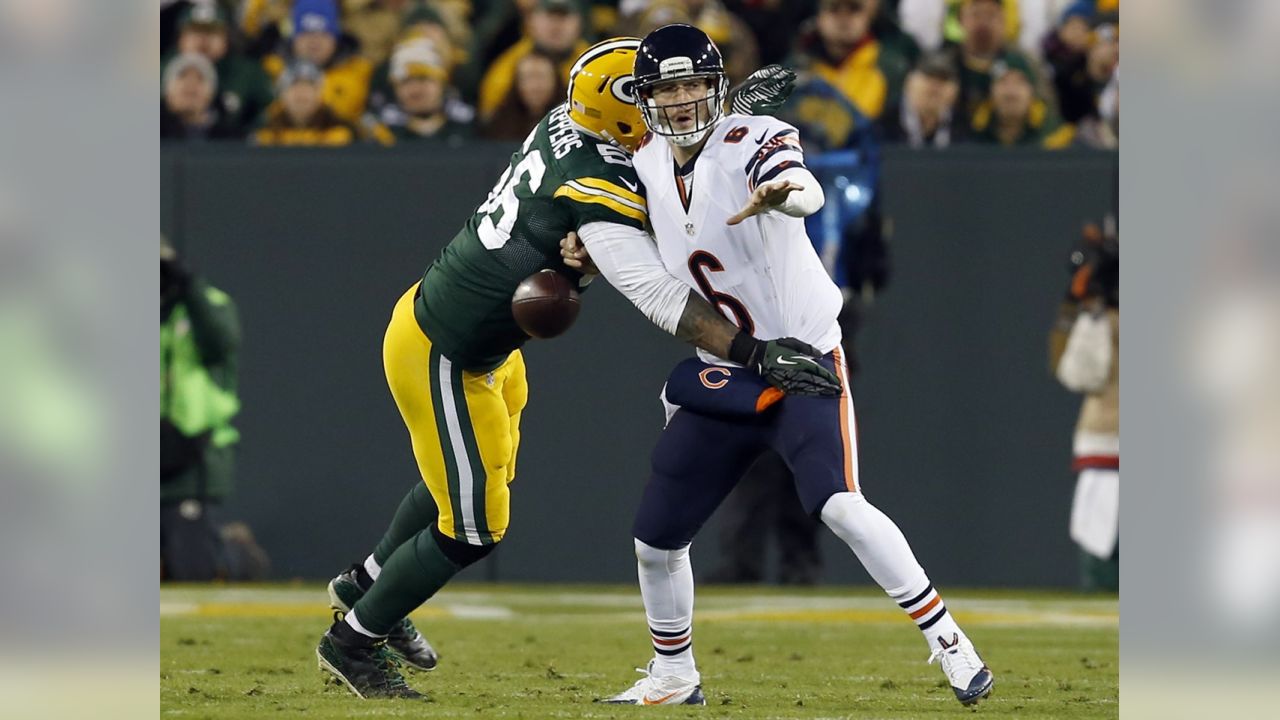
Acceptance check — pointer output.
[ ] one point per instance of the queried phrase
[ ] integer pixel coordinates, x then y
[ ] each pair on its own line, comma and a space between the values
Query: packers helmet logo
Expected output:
623, 88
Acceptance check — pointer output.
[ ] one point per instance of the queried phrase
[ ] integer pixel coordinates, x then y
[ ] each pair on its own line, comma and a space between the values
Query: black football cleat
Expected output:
369, 670
404, 639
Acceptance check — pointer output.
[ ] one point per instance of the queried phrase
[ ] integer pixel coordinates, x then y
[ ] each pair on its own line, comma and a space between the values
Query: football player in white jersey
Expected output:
727, 196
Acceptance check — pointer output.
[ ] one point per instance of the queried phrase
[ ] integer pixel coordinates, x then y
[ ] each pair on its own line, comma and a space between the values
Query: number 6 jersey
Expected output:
559, 180
762, 273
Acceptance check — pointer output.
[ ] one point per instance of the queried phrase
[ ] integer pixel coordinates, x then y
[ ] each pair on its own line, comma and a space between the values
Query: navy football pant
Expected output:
700, 458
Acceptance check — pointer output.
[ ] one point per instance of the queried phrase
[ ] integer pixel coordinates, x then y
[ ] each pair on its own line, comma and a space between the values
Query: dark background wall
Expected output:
965, 437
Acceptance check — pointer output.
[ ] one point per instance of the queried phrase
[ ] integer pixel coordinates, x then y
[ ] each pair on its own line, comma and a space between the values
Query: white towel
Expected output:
1086, 363
1095, 512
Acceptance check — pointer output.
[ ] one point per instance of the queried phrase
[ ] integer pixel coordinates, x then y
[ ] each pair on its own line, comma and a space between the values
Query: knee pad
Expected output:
647, 554
840, 513
460, 553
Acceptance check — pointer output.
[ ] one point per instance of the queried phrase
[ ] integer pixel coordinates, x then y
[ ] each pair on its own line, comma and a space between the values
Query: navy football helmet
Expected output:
675, 53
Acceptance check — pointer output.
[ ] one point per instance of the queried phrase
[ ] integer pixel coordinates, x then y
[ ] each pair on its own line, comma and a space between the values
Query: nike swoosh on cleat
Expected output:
646, 701
634, 188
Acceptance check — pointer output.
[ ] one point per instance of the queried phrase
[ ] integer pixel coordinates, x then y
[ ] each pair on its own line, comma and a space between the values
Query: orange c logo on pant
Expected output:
705, 377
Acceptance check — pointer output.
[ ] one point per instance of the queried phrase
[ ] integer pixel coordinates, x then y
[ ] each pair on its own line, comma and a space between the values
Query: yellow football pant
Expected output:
465, 427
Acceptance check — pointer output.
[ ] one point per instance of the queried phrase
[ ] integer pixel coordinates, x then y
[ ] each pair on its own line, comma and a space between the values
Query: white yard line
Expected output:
623, 605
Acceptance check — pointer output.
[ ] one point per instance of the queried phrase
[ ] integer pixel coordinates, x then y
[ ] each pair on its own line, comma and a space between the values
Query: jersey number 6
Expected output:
700, 263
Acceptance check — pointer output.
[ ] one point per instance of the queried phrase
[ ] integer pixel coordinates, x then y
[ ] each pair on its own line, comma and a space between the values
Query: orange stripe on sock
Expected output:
925, 610
670, 641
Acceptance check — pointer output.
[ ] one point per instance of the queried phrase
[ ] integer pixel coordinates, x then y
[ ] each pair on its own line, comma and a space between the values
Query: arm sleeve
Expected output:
802, 203
628, 259
779, 153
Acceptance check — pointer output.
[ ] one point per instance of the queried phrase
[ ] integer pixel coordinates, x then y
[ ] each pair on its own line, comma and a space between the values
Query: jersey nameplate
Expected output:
561, 132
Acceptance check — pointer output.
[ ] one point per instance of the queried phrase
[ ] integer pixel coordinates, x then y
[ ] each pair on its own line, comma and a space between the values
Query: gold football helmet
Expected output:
601, 94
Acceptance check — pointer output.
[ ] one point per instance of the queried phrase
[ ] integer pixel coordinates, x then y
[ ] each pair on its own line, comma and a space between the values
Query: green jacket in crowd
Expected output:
244, 91
1040, 129
199, 343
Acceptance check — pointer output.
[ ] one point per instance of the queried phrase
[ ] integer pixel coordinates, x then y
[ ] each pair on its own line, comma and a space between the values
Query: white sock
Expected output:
372, 567
354, 622
884, 552
666, 585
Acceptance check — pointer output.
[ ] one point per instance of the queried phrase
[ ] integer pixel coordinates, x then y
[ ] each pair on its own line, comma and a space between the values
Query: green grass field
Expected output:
547, 651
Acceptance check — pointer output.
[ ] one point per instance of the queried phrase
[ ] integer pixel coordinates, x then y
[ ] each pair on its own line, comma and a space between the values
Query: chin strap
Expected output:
695, 137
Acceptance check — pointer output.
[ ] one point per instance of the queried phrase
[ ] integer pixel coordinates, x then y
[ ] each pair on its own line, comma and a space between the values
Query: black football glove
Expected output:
764, 92
787, 364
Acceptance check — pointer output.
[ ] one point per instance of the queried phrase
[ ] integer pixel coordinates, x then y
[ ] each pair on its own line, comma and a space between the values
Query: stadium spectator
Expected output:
982, 47
300, 115
555, 29
842, 50
420, 78
497, 29
264, 24
244, 90
174, 12
376, 25
456, 17
645, 16
537, 89
424, 23
1083, 60
1084, 352
888, 30
826, 118
199, 342
774, 23
1013, 115
936, 23
926, 115
1103, 132
318, 39
188, 105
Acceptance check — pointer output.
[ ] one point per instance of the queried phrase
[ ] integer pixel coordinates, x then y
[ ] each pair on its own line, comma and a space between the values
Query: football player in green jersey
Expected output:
453, 362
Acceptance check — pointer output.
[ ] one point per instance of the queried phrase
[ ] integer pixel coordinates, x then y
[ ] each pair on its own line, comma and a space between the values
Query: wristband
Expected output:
743, 348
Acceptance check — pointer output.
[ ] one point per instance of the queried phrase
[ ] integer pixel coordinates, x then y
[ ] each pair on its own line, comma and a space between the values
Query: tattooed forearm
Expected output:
703, 326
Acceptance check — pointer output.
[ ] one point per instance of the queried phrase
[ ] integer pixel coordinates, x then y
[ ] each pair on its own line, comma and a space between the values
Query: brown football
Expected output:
545, 304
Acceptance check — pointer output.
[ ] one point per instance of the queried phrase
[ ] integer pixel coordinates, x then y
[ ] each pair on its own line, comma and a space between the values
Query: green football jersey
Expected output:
559, 180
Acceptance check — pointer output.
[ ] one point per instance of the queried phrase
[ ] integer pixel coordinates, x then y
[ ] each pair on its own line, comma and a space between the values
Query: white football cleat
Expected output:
970, 678
670, 690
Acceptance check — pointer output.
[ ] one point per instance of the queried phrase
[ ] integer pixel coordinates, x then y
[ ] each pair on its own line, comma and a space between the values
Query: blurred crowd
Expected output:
923, 73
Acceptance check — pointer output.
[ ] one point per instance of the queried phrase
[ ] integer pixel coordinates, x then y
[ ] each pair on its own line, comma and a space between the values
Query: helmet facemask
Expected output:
704, 112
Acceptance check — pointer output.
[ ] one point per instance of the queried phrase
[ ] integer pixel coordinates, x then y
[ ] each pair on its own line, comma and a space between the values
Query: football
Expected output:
545, 304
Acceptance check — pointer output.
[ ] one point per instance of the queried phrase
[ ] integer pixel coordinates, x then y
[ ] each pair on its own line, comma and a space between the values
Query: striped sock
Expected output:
930, 615
674, 651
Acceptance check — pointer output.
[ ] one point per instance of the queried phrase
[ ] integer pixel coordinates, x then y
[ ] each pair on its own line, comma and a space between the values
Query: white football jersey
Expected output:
762, 273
